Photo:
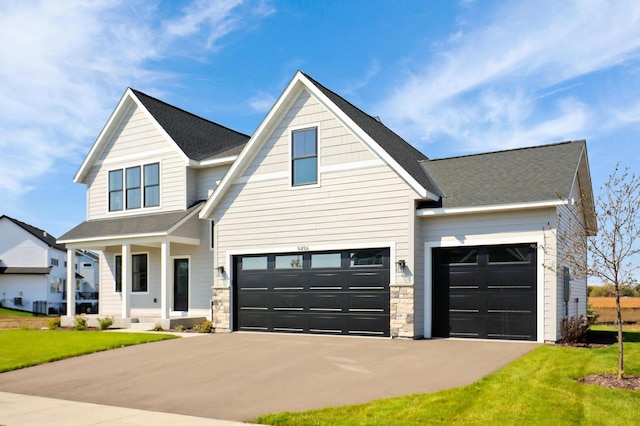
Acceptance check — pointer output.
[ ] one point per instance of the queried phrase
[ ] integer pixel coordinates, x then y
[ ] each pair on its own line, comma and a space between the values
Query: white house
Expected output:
32, 267
325, 221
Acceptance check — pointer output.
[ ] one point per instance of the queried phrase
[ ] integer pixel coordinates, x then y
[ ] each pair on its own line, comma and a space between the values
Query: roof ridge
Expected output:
138, 92
524, 148
371, 117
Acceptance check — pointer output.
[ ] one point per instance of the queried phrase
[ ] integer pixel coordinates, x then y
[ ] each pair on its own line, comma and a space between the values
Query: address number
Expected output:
303, 248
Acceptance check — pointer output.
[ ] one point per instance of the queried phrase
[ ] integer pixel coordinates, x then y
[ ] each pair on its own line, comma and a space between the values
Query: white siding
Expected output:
20, 248
135, 142
31, 288
358, 202
530, 226
207, 179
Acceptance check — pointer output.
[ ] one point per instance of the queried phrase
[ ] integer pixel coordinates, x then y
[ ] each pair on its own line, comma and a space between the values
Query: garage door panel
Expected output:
483, 299
368, 302
343, 294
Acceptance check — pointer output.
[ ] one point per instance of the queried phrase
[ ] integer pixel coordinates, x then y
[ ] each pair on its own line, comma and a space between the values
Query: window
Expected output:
138, 273
326, 260
118, 274
115, 190
372, 257
212, 239
304, 157
152, 185
54, 262
254, 263
133, 187
289, 261
87, 265
509, 254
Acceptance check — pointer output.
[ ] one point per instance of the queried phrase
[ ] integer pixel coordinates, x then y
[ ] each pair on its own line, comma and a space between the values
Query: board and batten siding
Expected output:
359, 201
137, 141
527, 226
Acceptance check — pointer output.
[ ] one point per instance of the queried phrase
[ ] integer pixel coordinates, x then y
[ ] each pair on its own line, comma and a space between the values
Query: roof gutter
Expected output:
213, 162
443, 211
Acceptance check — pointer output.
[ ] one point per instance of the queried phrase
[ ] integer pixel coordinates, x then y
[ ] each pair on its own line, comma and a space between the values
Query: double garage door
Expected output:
333, 292
485, 292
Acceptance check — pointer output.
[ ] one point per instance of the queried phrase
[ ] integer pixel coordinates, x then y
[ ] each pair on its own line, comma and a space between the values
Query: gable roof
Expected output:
526, 175
196, 138
40, 234
402, 152
391, 148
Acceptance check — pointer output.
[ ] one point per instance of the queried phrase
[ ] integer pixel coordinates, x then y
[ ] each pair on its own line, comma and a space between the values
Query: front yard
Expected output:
541, 388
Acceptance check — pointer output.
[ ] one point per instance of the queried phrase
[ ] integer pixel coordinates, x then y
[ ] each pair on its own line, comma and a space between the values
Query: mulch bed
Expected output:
610, 381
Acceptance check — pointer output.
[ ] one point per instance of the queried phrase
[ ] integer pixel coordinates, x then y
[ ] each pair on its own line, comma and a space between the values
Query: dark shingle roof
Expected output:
197, 137
128, 225
40, 234
524, 175
25, 270
400, 150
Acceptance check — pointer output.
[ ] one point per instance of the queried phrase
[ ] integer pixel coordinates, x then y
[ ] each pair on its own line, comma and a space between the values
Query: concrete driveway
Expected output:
240, 376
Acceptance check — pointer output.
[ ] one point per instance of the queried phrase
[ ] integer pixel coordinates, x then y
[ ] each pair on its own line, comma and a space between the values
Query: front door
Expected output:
181, 284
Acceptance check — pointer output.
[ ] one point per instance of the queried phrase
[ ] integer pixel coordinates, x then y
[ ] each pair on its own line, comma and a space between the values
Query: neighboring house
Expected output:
33, 269
327, 222
87, 278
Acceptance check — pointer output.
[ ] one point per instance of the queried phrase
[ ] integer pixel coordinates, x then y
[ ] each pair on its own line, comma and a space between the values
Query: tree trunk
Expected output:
620, 349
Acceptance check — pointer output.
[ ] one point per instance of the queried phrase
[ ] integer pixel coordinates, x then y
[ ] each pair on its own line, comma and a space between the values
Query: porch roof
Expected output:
24, 270
157, 224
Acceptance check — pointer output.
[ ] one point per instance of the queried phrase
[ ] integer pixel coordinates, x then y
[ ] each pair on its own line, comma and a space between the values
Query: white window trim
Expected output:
292, 129
148, 272
123, 167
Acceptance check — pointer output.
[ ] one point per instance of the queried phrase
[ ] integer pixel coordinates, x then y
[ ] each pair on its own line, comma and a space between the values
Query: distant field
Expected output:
610, 302
605, 308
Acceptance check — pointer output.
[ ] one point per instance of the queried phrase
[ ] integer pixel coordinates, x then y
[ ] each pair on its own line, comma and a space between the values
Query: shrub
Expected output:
158, 327
204, 327
105, 322
592, 316
574, 329
81, 323
54, 323
181, 327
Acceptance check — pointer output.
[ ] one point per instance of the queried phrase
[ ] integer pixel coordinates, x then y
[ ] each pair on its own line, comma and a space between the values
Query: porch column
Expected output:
71, 282
165, 265
126, 281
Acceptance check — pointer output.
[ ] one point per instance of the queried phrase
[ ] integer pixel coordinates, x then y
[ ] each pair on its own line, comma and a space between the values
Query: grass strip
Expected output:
25, 348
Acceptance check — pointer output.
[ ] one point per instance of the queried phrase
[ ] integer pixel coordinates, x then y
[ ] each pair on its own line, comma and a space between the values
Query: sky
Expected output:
450, 77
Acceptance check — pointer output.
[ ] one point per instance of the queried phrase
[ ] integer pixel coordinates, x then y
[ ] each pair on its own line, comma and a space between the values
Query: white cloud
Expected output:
262, 102
66, 63
488, 86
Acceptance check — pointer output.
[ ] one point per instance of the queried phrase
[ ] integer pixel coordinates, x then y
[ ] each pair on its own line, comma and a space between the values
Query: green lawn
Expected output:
24, 348
538, 389
10, 313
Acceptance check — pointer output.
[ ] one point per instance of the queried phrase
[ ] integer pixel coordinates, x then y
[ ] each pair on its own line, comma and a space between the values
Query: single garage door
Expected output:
333, 292
486, 292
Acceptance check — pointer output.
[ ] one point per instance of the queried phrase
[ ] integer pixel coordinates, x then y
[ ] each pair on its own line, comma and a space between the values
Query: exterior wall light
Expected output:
220, 271
400, 264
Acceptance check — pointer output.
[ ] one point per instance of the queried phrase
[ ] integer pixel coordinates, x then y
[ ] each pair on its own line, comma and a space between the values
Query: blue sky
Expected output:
451, 78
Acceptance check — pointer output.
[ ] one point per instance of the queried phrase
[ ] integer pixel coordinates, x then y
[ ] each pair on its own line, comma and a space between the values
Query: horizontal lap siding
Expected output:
206, 180
353, 206
523, 225
135, 136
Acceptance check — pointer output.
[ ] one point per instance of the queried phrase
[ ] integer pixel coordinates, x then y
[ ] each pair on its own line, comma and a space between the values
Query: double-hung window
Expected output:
304, 157
133, 187
139, 266
152, 185
115, 190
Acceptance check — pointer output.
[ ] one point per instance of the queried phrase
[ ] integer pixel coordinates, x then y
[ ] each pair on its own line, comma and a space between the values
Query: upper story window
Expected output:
54, 262
134, 187
304, 157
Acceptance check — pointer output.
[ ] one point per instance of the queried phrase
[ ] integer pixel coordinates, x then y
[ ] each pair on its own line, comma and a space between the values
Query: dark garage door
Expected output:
337, 292
486, 292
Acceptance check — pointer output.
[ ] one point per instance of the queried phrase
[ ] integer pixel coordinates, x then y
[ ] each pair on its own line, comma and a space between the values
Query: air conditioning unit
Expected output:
17, 301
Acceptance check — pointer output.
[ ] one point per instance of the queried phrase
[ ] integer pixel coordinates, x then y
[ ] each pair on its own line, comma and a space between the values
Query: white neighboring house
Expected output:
33, 269
327, 222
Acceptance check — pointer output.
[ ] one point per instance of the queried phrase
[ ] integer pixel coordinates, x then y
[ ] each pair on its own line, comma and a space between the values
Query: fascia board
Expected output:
113, 239
214, 162
488, 209
252, 147
367, 140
